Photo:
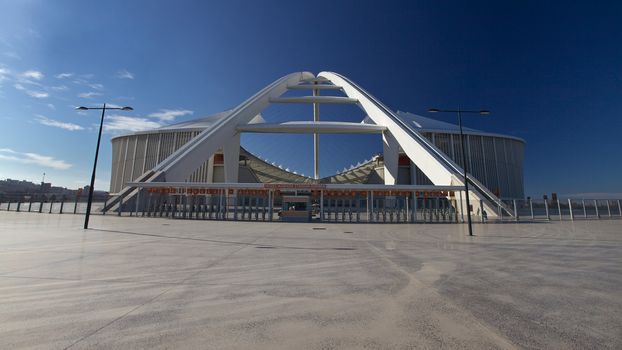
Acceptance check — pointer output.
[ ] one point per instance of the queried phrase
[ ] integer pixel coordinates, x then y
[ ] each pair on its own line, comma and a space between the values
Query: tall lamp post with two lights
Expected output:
99, 136
464, 162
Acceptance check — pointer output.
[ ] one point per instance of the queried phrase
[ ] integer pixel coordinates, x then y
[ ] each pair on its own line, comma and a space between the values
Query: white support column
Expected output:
321, 205
231, 153
316, 137
483, 149
390, 151
134, 158
127, 142
145, 154
413, 173
210, 169
370, 216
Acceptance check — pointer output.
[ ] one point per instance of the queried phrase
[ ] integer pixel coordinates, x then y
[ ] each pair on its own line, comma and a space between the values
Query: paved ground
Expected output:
158, 283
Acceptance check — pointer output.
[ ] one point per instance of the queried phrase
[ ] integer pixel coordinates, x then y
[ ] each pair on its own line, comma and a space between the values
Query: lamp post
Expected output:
99, 136
464, 163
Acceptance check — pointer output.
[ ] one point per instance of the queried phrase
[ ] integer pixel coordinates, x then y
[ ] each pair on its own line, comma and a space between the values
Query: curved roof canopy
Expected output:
419, 122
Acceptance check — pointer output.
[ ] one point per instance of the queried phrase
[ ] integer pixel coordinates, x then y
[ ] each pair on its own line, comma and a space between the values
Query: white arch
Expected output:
179, 165
437, 166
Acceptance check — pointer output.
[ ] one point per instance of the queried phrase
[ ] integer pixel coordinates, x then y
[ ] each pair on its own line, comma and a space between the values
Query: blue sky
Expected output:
551, 72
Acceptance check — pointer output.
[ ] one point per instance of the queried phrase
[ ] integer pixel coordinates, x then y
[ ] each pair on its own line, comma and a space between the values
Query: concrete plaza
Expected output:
161, 283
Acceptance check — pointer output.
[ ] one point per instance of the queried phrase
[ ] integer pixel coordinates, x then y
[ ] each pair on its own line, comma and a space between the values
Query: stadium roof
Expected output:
424, 124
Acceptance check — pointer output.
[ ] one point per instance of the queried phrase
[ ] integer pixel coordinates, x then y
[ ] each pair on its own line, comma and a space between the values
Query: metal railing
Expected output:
368, 208
52, 207
569, 209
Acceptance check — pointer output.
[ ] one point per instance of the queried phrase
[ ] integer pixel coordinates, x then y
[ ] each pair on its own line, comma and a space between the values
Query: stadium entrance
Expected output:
297, 202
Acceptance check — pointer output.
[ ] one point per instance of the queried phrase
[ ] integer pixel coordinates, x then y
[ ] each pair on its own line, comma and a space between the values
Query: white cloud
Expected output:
13, 55
123, 123
57, 124
33, 158
4, 74
96, 86
64, 75
59, 88
32, 74
32, 93
38, 94
170, 114
51, 106
89, 94
124, 74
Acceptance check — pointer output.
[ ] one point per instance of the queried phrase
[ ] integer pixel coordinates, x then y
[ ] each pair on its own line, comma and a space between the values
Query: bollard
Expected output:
407, 213
559, 209
584, 211
515, 211
62, 204
120, 205
360, 209
531, 208
235, 206
619, 208
148, 206
41, 206
8, 206
271, 198
546, 208
18, 205
136, 201
29, 205
414, 209
436, 204
596, 207
51, 205
570, 207
174, 207
243, 213
370, 217
105, 204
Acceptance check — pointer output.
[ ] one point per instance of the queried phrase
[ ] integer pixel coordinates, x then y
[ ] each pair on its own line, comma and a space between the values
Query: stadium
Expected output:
419, 154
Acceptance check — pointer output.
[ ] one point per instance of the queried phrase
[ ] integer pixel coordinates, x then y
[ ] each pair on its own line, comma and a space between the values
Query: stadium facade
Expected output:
495, 160
418, 153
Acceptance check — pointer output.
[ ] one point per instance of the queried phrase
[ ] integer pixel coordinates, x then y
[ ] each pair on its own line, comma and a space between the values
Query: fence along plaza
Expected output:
314, 202
327, 203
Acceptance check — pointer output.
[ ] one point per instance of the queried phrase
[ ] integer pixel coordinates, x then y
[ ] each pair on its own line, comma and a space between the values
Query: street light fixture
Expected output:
464, 163
99, 136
